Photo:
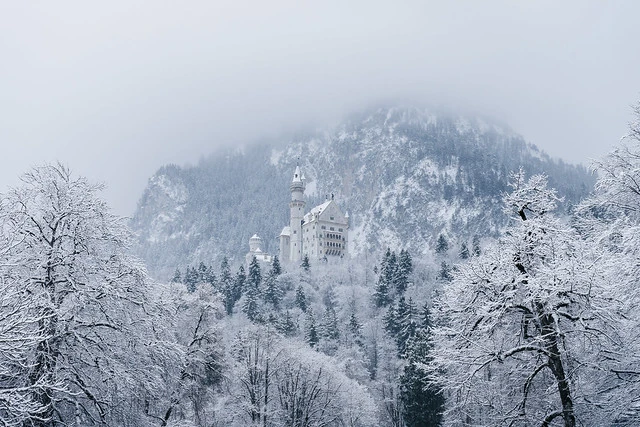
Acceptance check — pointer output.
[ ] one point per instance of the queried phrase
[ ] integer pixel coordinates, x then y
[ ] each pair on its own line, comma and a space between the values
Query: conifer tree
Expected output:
475, 246
250, 306
211, 279
311, 334
191, 279
226, 286
177, 276
239, 284
301, 299
404, 270
286, 325
405, 324
389, 321
381, 295
254, 278
442, 245
272, 292
422, 401
330, 328
306, 266
355, 328
202, 273
464, 251
276, 268
445, 274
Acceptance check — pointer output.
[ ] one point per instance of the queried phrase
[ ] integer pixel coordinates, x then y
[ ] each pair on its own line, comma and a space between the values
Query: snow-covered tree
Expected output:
90, 299
442, 245
422, 401
301, 299
464, 251
525, 326
20, 333
610, 220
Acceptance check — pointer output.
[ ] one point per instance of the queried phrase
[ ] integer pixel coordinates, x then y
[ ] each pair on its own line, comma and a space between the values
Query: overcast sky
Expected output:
115, 89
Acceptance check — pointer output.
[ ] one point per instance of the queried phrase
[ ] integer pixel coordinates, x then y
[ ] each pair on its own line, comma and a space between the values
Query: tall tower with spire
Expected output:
296, 206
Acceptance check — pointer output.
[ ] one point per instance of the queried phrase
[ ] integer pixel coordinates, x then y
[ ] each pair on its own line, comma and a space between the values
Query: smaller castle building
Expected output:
255, 250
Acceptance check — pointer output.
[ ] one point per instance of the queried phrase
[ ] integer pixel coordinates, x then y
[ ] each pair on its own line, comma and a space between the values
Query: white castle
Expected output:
319, 234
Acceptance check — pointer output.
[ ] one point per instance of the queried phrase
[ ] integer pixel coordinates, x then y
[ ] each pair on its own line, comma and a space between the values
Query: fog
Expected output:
116, 89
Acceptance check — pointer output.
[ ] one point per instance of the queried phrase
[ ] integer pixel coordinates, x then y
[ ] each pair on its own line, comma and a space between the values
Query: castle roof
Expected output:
316, 211
286, 231
297, 176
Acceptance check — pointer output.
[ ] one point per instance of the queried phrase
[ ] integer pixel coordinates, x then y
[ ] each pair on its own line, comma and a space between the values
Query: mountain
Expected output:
404, 174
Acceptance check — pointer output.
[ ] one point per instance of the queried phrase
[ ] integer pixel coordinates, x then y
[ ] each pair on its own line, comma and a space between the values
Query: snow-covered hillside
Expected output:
405, 175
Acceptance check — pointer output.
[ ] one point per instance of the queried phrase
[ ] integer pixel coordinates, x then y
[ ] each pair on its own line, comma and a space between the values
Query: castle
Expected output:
321, 233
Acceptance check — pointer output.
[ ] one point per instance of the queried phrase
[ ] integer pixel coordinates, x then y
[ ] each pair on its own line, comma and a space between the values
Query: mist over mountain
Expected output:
404, 174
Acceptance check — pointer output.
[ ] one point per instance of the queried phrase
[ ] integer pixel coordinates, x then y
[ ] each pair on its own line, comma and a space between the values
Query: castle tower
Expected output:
255, 243
296, 206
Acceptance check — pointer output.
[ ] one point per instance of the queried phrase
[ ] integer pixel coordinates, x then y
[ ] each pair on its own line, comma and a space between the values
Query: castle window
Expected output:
295, 232
331, 228
331, 218
340, 229
323, 227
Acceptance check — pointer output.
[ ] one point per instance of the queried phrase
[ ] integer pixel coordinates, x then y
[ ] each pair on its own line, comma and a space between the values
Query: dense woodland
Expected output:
538, 327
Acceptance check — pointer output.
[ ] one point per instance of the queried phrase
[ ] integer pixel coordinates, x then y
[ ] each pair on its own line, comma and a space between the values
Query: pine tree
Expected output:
356, 329
272, 292
406, 325
177, 276
254, 278
250, 306
211, 279
191, 279
404, 270
422, 401
442, 245
306, 266
226, 286
475, 246
389, 321
381, 294
276, 268
312, 330
239, 284
330, 328
464, 251
301, 299
202, 273
445, 272
286, 326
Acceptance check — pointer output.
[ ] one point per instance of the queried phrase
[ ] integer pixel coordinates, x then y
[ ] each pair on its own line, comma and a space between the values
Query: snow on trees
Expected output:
610, 219
525, 327
277, 381
82, 300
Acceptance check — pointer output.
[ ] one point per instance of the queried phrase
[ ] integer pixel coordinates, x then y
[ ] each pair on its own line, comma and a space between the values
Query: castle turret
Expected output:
255, 243
296, 206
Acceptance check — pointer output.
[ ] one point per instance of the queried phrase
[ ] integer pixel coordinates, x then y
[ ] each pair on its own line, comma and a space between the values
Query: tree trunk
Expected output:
550, 337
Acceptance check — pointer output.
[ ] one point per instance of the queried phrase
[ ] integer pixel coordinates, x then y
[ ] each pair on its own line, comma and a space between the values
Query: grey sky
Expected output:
116, 89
